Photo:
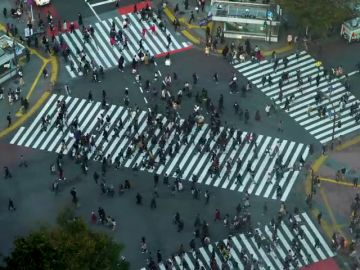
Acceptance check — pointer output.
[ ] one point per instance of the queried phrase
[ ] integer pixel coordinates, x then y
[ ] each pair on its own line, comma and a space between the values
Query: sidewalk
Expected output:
197, 34
36, 89
335, 193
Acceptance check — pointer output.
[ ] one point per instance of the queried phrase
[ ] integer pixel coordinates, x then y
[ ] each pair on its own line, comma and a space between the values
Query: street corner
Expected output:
45, 73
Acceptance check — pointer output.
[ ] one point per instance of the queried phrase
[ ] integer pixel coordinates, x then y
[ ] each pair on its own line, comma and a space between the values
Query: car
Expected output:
42, 2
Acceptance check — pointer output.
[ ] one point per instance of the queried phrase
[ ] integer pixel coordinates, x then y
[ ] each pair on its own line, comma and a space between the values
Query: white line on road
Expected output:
103, 3
92, 9
146, 100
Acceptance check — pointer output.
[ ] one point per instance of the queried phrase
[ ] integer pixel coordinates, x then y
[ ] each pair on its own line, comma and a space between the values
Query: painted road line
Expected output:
18, 133
318, 235
103, 3
37, 119
93, 10
320, 128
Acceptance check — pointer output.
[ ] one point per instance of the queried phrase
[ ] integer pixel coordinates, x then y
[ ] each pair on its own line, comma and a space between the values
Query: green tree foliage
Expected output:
318, 15
69, 245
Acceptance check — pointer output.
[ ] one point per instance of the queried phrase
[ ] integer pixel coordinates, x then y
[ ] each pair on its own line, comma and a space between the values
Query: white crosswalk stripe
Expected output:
241, 251
101, 52
257, 164
304, 109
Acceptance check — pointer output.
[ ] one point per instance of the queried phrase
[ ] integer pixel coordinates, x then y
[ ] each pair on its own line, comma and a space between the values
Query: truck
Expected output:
350, 30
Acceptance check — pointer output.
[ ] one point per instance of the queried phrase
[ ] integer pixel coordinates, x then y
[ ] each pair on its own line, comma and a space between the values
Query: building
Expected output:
9, 54
245, 20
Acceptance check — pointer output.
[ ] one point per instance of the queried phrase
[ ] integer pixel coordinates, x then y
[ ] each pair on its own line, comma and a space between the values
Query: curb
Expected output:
196, 40
19, 121
328, 228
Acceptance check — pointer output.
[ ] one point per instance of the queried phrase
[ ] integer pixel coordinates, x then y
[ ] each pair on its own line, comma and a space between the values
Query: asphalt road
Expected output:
37, 205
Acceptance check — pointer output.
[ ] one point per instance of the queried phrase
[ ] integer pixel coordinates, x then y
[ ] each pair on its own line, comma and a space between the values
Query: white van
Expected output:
42, 2
350, 30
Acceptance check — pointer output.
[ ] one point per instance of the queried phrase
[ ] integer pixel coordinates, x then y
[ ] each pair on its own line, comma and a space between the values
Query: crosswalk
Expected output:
262, 248
259, 165
101, 52
304, 108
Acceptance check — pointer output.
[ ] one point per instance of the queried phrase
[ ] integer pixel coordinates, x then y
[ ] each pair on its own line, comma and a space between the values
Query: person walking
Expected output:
90, 97
319, 216
217, 215
138, 199
73, 193
169, 41
207, 197
7, 173
11, 206
153, 203
67, 89
8, 118
355, 182
159, 256
80, 19
192, 17
23, 162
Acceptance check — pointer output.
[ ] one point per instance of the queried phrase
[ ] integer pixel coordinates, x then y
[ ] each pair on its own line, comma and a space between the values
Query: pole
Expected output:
32, 14
269, 30
312, 183
333, 130
14, 48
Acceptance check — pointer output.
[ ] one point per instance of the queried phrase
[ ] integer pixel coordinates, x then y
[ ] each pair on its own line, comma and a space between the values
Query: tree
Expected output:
317, 16
68, 245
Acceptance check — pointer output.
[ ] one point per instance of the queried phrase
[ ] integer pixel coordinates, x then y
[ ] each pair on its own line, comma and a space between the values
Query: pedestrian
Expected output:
138, 199
319, 216
45, 73
96, 177
93, 218
67, 89
159, 256
156, 180
166, 179
5, 12
73, 193
355, 181
143, 245
216, 77
195, 78
80, 19
7, 173
23, 162
169, 41
8, 118
207, 197
217, 215
280, 126
317, 243
11, 206
153, 203
192, 17
90, 96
